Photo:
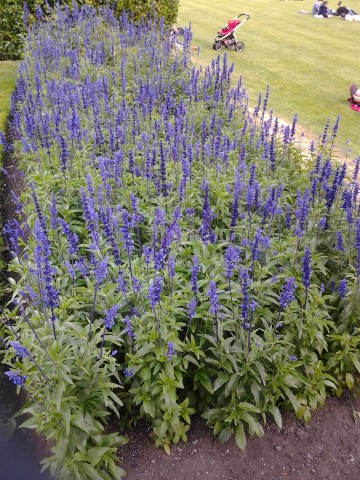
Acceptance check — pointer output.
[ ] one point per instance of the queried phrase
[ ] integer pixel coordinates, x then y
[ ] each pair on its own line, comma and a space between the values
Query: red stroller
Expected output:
226, 36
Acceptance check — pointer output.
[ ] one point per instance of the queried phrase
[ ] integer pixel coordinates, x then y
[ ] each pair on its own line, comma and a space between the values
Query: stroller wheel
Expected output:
239, 46
217, 46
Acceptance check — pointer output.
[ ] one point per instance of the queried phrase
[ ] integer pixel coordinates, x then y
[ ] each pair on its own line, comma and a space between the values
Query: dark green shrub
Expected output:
11, 29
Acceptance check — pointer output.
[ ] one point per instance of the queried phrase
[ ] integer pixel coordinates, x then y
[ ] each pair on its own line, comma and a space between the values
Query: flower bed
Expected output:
176, 252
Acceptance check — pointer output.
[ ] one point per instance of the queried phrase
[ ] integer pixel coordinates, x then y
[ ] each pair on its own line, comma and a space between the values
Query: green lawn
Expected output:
8, 72
308, 63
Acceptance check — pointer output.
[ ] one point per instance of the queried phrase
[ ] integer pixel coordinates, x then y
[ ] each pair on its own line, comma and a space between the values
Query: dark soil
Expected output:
328, 448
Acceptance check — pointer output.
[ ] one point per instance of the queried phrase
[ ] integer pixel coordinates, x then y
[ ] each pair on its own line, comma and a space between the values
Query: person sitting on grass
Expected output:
342, 10
354, 94
324, 10
316, 7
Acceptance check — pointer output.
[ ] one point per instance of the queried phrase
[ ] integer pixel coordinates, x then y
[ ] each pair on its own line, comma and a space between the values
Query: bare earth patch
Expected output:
326, 449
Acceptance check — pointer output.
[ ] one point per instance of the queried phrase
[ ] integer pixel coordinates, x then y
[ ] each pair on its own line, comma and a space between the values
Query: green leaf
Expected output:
221, 379
349, 381
148, 347
96, 453
262, 371
90, 471
275, 412
31, 423
240, 437
149, 408
356, 362
224, 435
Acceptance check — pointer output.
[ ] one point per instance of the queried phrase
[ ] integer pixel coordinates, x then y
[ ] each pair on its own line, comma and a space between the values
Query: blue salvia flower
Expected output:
324, 136
70, 269
128, 372
356, 169
213, 296
255, 245
37, 208
53, 212
252, 305
288, 217
136, 284
207, 217
336, 127
357, 244
121, 284
44, 269
159, 217
128, 327
159, 259
101, 270
287, 293
134, 202
38, 13
109, 320
306, 270
147, 254
12, 232
302, 210
126, 231
81, 266
20, 351
72, 238
171, 266
16, 378
326, 171
195, 269
170, 351
292, 358
155, 291
64, 154
339, 241
322, 223
191, 306
230, 258
342, 288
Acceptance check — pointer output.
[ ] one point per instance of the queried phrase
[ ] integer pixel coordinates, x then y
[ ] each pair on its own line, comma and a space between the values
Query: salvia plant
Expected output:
174, 250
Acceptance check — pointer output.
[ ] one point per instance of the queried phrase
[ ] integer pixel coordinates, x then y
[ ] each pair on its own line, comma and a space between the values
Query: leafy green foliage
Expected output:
11, 30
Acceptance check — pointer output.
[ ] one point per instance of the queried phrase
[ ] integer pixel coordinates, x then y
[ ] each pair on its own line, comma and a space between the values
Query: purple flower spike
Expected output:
155, 291
20, 351
306, 270
212, 294
109, 320
128, 372
16, 378
170, 351
287, 293
343, 288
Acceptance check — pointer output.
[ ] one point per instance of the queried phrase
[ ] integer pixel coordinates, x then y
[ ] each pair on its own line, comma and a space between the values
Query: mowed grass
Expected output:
307, 63
8, 71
